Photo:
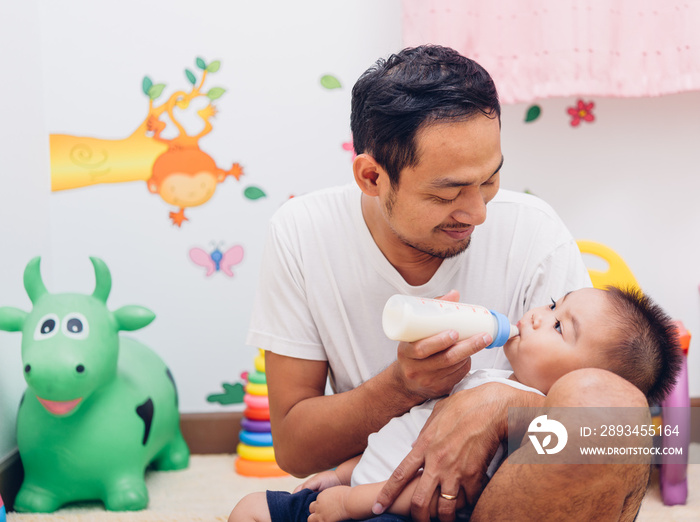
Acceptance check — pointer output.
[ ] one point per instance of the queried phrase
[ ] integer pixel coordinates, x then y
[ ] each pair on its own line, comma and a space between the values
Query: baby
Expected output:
622, 331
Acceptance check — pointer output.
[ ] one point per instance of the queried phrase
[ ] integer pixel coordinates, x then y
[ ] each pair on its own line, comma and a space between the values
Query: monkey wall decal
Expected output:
175, 168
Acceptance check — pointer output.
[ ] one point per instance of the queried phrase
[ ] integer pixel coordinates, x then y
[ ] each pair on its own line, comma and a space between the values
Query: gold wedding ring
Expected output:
448, 497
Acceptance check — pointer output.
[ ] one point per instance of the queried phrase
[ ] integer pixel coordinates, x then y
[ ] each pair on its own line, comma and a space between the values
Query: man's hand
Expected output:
455, 448
429, 368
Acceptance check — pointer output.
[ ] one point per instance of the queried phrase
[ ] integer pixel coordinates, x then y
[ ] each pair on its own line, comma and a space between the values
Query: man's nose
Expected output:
472, 208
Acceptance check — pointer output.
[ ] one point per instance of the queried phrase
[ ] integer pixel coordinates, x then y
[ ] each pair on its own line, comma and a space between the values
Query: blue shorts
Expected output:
294, 507
290, 507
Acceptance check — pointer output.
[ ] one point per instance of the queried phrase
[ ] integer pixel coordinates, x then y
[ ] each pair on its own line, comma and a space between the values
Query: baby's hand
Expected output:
320, 481
330, 505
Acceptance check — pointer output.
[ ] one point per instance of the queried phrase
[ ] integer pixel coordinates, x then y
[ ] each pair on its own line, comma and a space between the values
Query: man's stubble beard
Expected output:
424, 248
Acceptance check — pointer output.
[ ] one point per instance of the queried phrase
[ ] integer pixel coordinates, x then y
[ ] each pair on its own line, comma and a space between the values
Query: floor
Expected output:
209, 488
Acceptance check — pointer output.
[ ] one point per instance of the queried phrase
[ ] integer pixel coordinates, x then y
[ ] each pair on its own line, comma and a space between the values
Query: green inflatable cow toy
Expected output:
98, 409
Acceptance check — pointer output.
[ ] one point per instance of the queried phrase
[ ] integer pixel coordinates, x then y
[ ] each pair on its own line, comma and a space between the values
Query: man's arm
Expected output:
456, 446
313, 432
563, 486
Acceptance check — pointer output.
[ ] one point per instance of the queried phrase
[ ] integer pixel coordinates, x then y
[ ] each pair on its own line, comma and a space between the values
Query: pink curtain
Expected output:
544, 48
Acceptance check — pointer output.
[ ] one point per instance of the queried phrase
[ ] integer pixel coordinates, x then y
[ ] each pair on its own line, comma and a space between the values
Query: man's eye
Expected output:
553, 305
557, 326
443, 200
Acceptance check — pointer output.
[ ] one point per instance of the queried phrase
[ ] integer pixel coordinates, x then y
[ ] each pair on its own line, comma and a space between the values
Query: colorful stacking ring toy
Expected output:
260, 362
256, 389
260, 426
256, 456
257, 378
252, 438
257, 414
260, 402
256, 453
251, 468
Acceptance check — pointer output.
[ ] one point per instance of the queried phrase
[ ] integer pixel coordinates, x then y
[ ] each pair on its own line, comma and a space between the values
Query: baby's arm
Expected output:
330, 478
344, 502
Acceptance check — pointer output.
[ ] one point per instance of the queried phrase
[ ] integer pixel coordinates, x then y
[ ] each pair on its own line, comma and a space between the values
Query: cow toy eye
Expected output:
75, 326
46, 327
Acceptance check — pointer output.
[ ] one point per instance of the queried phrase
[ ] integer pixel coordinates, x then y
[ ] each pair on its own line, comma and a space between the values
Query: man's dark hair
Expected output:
647, 352
396, 97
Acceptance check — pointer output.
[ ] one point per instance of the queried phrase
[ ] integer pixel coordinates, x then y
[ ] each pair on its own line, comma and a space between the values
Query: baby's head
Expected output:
622, 331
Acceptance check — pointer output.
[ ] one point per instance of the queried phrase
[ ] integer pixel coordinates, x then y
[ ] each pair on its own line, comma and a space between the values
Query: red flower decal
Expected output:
582, 111
349, 147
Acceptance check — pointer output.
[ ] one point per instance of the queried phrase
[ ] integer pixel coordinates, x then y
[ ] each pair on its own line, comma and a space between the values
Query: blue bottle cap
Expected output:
503, 333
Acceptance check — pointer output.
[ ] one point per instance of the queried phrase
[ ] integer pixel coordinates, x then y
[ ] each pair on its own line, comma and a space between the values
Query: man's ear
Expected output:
367, 172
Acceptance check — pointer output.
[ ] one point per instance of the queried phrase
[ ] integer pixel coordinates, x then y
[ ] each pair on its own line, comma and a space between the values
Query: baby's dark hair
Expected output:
647, 351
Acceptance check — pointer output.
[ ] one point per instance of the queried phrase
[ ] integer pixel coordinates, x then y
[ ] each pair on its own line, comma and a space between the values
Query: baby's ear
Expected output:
133, 317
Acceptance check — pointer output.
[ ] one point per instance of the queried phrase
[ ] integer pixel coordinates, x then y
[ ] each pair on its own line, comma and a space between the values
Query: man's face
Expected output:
559, 338
438, 203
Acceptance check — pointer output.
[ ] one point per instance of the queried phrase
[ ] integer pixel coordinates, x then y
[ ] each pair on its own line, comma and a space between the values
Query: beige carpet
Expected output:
209, 488
206, 491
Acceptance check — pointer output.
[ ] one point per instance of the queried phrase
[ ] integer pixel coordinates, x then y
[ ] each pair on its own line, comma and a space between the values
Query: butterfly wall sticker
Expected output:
216, 260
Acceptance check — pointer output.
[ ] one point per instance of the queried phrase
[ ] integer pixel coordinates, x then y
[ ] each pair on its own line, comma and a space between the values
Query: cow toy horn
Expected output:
32, 280
103, 280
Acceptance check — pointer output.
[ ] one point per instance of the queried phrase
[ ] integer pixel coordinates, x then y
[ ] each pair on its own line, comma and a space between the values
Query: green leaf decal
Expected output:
233, 394
533, 113
213, 66
201, 63
215, 92
146, 85
330, 82
190, 76
156, 91
254, 193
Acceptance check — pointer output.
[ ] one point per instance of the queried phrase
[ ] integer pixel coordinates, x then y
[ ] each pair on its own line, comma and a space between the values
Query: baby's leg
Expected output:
251, 507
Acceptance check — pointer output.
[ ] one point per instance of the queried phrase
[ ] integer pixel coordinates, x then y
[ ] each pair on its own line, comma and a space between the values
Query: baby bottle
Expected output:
407, 318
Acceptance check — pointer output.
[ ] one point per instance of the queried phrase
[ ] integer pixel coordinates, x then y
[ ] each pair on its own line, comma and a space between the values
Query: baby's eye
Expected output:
557, 326
553, 305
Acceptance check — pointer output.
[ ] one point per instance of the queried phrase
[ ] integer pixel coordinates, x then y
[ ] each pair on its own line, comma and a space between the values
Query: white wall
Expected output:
627, 180
275, 119
24, 188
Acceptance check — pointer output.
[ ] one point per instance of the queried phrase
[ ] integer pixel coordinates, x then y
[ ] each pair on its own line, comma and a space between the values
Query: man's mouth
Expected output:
59, 407
458, 233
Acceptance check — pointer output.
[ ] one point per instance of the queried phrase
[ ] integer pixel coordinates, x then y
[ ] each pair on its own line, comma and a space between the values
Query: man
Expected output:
426, 128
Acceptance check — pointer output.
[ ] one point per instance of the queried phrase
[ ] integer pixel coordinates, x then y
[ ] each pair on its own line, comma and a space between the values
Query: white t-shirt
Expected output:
324, 281
388, 447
